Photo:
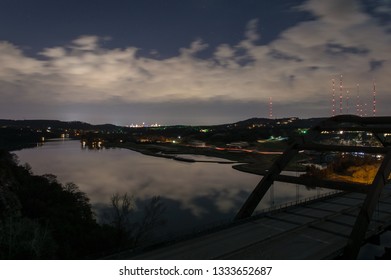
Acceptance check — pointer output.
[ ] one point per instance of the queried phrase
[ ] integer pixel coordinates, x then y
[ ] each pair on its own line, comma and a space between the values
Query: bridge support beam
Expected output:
373, 125
264, 185
364, 217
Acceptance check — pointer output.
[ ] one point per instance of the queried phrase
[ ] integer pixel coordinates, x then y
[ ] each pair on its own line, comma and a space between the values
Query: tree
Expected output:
23, 238
122, 208
132, 229
152, 218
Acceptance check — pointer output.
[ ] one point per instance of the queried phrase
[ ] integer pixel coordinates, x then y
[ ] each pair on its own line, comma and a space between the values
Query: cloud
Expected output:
294, 68
14, 63
86, 43
339, 13
251, 31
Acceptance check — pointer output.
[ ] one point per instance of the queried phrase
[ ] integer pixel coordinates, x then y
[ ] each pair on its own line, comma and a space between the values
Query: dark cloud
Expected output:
338, 49
376, 64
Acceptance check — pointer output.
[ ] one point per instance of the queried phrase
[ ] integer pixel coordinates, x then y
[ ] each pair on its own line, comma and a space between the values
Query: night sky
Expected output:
191, 61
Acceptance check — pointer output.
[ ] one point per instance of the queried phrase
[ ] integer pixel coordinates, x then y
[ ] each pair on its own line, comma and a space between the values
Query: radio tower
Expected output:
365, 109
340, 95
347, 101
333, 108
374, 99
270, 108
358, 102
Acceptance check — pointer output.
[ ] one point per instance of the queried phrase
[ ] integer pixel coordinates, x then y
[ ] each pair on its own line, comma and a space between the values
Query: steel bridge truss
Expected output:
377, 127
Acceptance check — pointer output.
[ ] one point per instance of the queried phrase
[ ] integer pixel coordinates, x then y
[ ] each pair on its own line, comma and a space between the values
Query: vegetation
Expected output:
129, 231
348, 168
41, 218
16, 138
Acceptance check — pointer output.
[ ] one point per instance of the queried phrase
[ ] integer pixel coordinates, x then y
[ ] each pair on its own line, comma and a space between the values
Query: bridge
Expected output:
331, 227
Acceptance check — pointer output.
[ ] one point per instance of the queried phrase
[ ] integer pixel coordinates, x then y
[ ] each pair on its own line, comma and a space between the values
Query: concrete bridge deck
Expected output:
315, 230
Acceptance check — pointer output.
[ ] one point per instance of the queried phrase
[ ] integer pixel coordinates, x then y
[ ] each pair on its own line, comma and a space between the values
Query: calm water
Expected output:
195, 194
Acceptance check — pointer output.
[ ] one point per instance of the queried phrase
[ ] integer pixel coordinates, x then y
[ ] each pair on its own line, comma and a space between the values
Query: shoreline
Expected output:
244, 161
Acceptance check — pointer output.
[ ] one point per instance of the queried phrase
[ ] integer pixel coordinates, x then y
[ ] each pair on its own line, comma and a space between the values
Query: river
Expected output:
195, 195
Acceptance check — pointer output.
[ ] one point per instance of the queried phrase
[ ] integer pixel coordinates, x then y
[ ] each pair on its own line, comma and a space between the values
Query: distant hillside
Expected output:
56, 124
290, 122
61, 125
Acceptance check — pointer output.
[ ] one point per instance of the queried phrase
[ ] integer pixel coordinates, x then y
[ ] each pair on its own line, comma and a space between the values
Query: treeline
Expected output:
18, 138
41, 218
56, 125
360, 169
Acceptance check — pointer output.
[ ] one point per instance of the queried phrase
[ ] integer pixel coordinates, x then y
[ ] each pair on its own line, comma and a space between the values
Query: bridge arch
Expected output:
377, 127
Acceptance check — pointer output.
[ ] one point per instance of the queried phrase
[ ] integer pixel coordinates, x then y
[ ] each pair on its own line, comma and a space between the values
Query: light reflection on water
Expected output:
195, 194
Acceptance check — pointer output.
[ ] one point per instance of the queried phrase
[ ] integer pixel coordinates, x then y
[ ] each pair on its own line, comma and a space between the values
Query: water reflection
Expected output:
195, 194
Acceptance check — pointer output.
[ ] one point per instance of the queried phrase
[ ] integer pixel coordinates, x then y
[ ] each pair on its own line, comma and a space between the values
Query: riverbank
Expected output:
244, 160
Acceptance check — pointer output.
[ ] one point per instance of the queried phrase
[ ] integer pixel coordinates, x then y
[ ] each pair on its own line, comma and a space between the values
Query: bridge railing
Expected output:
221, 224
212, 226
281, 207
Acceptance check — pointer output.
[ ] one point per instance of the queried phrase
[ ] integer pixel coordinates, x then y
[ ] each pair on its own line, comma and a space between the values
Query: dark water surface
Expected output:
196, 195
